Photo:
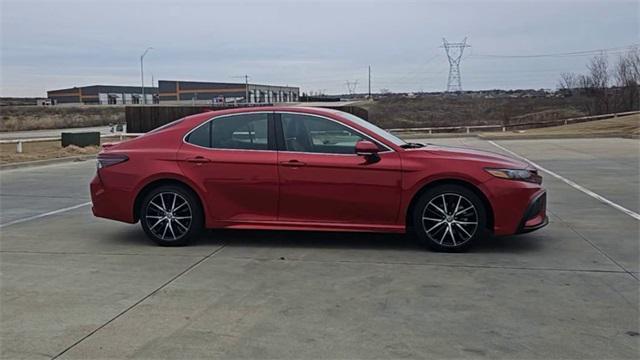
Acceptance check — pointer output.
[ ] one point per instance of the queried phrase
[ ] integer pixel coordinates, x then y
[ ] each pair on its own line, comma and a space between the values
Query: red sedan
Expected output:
310, 169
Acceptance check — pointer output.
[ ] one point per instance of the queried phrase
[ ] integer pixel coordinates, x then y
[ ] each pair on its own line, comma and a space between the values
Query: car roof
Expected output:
299, 109
320, 111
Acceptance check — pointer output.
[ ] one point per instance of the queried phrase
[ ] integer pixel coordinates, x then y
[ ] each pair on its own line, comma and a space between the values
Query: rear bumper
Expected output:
110, 203
535, 217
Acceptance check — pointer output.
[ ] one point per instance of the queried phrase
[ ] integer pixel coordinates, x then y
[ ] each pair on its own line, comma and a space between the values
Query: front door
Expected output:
323, 180
233, 158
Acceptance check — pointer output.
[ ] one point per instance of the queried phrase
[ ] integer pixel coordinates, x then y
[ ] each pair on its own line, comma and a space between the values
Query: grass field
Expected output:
21, 118
433, 111
624, 125
41, 151
390, 112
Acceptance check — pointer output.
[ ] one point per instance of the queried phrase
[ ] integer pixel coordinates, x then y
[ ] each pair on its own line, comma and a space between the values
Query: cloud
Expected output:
311, 44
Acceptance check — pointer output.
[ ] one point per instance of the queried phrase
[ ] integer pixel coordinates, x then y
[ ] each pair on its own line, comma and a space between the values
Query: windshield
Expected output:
376, 130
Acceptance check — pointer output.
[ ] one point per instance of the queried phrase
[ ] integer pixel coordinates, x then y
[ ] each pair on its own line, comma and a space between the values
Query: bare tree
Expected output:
568, 82
599, 71
627, 79
599, 82
633, 57
595, 86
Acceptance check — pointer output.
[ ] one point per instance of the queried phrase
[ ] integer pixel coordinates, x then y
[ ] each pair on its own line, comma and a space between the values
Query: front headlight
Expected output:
517, 174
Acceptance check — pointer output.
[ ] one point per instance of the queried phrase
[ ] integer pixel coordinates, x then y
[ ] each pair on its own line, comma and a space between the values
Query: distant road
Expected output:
50, 132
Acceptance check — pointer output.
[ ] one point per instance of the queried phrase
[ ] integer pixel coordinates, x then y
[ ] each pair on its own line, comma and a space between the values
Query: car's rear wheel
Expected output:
449, 218
171, 215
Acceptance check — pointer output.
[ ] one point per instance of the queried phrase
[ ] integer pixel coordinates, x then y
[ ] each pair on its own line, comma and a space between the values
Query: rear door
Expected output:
233, 158
323, 180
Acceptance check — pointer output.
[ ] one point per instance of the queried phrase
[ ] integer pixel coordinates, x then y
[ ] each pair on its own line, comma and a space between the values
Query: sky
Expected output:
316, 45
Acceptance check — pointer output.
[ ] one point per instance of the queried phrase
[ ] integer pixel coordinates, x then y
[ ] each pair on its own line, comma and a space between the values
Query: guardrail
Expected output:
505, 127
431, 130
19, 142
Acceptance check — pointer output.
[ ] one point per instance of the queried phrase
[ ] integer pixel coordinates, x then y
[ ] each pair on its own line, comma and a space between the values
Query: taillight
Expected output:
105, 160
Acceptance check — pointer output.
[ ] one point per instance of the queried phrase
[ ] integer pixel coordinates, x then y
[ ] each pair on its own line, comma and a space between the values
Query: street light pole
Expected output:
246, 88
144, 98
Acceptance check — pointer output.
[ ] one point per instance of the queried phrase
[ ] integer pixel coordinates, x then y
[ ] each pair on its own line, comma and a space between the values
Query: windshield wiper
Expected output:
411, 145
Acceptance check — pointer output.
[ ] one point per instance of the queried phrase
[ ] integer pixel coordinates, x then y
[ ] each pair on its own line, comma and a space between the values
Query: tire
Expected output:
170, 223
450, 232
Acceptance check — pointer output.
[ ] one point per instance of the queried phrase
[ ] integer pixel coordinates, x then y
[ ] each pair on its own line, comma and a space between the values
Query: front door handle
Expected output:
198, 160
292, 163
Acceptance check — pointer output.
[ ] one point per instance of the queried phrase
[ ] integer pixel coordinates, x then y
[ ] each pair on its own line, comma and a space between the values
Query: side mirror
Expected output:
366, 148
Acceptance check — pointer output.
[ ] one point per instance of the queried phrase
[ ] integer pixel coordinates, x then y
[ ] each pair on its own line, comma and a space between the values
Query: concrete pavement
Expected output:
75, 286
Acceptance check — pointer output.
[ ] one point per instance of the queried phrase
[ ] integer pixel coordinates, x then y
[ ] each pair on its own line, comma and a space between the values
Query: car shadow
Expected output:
332, 240
355, 240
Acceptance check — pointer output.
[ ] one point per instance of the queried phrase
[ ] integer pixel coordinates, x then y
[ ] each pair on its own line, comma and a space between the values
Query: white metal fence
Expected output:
430, 130
20, 142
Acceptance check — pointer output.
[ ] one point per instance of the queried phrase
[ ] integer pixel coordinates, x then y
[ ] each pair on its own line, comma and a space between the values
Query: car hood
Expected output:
490, 159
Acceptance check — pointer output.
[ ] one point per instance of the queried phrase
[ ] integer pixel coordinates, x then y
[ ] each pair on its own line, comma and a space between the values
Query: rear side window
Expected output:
241, 132
201, 136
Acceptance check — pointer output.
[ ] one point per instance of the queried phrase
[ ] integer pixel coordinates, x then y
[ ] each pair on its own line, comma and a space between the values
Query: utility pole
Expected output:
152, 86
369, 81
246, 86
144, 98
454, 53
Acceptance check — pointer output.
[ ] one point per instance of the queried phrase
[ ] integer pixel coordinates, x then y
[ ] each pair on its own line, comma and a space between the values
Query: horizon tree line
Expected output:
606, 88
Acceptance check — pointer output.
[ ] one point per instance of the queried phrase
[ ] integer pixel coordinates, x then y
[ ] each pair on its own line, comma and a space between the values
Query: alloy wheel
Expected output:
168, 216
450, 219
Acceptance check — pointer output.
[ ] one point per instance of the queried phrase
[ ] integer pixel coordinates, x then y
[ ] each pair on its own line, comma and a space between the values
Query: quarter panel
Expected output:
123, 181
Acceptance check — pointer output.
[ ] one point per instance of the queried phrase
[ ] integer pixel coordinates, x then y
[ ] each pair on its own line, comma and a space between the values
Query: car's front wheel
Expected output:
449, 218
171, 215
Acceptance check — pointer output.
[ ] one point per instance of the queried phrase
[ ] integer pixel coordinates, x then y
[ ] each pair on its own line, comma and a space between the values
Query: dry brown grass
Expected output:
41, 151
623, 125
435, 111
20, 118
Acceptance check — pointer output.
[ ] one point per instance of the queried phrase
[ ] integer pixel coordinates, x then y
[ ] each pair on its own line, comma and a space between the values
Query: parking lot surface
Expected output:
74, 286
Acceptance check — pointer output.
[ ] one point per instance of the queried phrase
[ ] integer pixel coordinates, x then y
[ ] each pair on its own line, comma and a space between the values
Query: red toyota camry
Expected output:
311, 169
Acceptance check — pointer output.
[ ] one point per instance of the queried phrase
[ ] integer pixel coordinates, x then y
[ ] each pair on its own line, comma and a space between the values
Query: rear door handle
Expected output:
198, 160
292, 163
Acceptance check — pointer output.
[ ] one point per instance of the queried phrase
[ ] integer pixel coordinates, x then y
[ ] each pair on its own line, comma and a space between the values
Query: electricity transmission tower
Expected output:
351, 86
454, 53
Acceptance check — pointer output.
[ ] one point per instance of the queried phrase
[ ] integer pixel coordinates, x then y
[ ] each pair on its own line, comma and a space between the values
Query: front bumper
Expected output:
535, 217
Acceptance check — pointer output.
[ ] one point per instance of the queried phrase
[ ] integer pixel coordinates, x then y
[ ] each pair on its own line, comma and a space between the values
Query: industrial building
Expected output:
103, 95
176, 92
173, 91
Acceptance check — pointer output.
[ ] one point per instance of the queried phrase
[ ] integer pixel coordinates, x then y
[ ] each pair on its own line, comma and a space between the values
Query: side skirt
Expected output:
308, 226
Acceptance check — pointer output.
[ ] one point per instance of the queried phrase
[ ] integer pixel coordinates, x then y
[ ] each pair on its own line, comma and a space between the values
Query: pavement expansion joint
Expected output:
604, 253
120, 314
391, 263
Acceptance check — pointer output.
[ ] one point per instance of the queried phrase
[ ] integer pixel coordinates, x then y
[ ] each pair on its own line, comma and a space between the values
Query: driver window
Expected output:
308, 133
